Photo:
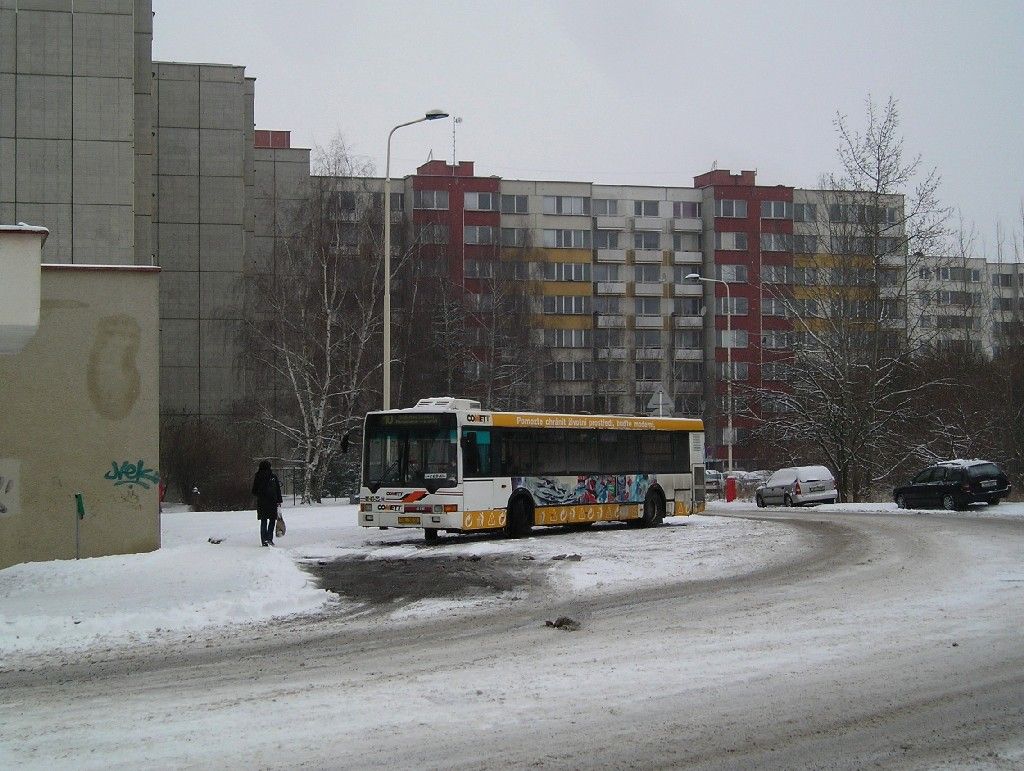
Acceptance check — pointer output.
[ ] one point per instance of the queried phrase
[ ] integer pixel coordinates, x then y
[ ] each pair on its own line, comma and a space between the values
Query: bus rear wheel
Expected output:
654, 510
519, 519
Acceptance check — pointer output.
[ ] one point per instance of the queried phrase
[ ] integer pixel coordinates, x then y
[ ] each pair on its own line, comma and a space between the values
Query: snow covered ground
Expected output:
841, 637
192, 584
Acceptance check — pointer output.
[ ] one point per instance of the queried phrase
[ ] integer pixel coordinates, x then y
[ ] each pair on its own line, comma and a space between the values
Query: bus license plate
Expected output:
408, 520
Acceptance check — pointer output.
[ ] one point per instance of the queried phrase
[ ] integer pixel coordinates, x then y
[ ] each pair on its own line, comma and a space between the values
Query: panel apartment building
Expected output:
130, 161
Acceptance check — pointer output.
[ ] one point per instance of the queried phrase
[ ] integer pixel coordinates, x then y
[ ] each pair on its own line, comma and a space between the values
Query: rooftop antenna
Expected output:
455, 160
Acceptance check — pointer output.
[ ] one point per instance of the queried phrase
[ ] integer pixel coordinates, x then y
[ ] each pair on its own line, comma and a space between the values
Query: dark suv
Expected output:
953, 485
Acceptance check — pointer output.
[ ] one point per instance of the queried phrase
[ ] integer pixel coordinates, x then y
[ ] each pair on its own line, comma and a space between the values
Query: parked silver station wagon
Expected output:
796, 486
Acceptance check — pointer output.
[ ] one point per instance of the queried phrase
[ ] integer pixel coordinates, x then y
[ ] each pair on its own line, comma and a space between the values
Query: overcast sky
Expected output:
634, 92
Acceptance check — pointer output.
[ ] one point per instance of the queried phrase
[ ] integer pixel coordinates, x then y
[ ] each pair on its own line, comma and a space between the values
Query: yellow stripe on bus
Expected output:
489, 519
538, 420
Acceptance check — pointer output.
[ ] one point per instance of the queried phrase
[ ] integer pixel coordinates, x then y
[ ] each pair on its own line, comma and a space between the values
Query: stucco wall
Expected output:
80, 407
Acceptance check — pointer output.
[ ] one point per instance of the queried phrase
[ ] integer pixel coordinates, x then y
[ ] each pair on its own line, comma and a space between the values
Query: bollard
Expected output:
730, 488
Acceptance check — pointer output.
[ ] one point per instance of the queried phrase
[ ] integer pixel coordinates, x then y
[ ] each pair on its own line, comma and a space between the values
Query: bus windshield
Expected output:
410, 450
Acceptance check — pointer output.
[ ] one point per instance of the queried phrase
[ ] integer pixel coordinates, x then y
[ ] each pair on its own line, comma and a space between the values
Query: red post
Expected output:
730, 488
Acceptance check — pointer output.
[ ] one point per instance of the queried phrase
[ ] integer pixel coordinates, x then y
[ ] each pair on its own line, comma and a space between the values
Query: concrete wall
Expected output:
68, 121
203, 230
81, 405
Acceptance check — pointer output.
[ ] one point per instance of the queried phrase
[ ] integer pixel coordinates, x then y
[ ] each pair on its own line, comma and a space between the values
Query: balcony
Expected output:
694, 289
687, 258
611, 388
689, 354
611, 223
648, 322
647, 255
611, 255
649, 354
648, 223
611, 322
687, 223
611, 287
611, 354
647, 386
689, 322
647, 290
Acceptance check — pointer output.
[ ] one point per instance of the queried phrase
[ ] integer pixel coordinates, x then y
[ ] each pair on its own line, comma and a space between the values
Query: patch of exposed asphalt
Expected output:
407, 580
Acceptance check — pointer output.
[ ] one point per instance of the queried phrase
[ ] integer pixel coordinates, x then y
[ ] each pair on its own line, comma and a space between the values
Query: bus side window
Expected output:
476, 453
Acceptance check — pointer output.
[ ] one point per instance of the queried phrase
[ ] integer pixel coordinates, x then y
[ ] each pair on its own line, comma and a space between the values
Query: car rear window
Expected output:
814, 474
983, 471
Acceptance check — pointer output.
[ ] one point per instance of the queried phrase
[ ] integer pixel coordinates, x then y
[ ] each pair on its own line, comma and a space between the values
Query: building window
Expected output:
607, 305
605, 207
732, 242
686, 242
480, 302
608, 338
604, 272
479, 268
569, 370
805, 212
567, 239
737, 306
513, 236
514, 204
686, 209
689, 338
480, 201
646, 239
647, 274
479, 234
645, 208
776, 339
805, 244
647, 338
567, 403
962, 275
688, 371
606, 239
725, 207
740, 370
566, 204
567, 271
647, 371
397, 201
773, 307
776, 210
432, 233
648, 306
567, 304
776, 242
567, 338
738, 337
774, 274
430, 199
687, 306
733, 274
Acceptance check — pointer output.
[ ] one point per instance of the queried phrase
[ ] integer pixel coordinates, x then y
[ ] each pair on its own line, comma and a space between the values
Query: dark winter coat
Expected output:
267, 489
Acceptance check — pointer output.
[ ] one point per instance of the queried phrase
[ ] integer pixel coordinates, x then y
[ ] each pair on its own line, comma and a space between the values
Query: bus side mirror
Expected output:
344, 442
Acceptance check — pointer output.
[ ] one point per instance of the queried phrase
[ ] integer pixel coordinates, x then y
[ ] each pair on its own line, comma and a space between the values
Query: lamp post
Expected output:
432, 115
728, 355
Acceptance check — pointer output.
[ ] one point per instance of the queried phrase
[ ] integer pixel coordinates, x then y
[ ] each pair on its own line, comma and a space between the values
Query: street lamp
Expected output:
431, 115
728, 354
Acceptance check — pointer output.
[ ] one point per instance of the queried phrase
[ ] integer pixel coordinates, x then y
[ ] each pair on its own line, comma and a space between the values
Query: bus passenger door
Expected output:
477, 481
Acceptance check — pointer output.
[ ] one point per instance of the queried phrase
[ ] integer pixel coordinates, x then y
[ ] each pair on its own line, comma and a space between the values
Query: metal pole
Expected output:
432, 115
728, 364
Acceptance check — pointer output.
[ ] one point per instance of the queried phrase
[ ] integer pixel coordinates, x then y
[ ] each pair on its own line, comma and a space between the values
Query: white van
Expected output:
796, 486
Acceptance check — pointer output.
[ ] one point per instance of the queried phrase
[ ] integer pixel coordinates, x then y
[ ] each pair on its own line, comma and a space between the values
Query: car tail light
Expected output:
796, 488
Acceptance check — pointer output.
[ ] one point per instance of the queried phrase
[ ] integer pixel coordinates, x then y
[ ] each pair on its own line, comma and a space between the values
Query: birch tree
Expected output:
313, 330
846, 374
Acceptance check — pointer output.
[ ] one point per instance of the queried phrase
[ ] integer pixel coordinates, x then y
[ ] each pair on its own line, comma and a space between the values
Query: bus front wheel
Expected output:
430, 535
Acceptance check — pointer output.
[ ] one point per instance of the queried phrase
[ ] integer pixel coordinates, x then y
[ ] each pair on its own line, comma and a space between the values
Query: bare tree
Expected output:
848, 388
314, 324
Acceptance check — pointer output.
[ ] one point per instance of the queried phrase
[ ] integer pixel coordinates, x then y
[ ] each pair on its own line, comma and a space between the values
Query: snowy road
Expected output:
863, 639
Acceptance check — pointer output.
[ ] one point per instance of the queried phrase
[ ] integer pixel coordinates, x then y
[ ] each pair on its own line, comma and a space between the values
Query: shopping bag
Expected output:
280, 528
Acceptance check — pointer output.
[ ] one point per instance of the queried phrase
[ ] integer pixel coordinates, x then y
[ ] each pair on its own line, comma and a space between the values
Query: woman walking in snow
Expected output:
267, 489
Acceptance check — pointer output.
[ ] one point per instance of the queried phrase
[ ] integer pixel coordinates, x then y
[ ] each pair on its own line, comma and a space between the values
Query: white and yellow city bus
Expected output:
446, 464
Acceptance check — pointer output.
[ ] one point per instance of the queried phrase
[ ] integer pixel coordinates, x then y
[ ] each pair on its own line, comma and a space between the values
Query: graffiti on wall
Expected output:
10, 482
128, 473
